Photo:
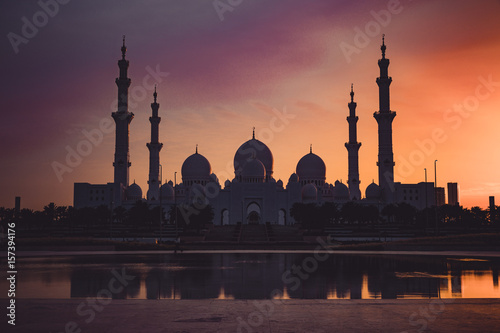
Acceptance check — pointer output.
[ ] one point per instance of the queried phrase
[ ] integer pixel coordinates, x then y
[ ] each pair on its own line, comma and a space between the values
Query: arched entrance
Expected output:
224, 217
282, 217
253, 213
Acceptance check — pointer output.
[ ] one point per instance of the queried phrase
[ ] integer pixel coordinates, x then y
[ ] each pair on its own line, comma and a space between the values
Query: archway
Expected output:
282, 217
253, 213
224, 217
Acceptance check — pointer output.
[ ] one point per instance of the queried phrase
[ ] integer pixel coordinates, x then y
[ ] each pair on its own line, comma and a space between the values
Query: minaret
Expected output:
122, 120
352, 149
154, 152
384, 119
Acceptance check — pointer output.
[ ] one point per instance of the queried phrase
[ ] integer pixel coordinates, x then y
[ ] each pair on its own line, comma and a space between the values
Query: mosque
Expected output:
253, 195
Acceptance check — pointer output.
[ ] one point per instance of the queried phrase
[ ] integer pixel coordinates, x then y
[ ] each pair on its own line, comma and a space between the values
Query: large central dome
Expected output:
253, 149
311, 168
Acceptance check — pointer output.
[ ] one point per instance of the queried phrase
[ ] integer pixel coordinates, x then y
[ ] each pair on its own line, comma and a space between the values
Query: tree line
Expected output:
140, 215
312, 215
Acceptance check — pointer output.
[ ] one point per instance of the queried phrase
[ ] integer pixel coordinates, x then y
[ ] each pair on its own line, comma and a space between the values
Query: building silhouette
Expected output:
254, 195
453, 194
440, 197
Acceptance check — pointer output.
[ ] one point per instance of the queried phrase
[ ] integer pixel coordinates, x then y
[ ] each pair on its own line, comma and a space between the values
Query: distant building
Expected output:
440, 197
453, 194
17, 206
419, 195
93, 195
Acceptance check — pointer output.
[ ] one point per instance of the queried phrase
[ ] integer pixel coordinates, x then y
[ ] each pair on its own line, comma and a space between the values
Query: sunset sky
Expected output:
235, 67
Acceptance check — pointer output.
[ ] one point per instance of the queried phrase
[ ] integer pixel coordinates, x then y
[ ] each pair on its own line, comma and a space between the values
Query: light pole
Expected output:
435, 174
426, 202
175, 205
425, 169
161, 215
435, 195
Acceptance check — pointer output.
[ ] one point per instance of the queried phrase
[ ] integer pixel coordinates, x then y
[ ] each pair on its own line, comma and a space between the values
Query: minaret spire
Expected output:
154, 152
383, 47
124, 48
310, 148
384, 117
253, 133
122, 118
352, 151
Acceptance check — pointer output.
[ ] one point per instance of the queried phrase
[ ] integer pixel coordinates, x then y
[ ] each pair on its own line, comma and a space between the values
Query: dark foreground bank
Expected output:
85, 315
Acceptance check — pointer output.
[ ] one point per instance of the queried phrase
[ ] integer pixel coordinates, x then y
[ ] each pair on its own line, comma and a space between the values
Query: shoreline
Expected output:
437, 315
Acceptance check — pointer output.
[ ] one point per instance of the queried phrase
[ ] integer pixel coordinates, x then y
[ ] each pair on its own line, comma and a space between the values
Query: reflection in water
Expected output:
258, 276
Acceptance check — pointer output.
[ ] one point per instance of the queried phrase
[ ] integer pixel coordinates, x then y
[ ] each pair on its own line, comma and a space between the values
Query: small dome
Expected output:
309, 192
167, 191
341, 192
196, 167
254, 169
372, 192
293, 178
311, 167
279, 183
171, 183
134, 192
253, 149
227, 183
213, 178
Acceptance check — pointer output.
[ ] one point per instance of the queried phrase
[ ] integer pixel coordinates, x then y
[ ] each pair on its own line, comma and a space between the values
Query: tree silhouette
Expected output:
139, 214
190, 217
389, 211
119, 214
405, 213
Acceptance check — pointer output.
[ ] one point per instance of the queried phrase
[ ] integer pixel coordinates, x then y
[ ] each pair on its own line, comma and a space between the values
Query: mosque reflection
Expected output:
295, 276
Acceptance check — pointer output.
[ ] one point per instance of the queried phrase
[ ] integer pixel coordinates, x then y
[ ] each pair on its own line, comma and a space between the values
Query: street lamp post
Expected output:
426, 202
161, 215
435, 174
435, 195
175, 205
425, 169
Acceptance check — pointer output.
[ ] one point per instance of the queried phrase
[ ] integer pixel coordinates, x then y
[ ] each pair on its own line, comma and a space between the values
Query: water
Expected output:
259, 276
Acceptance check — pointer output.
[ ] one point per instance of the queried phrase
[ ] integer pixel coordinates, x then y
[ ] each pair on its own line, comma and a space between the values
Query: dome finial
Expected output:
124, 48
155, 94
196, 148
310, 149
253, 133
352, 93
383, 47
